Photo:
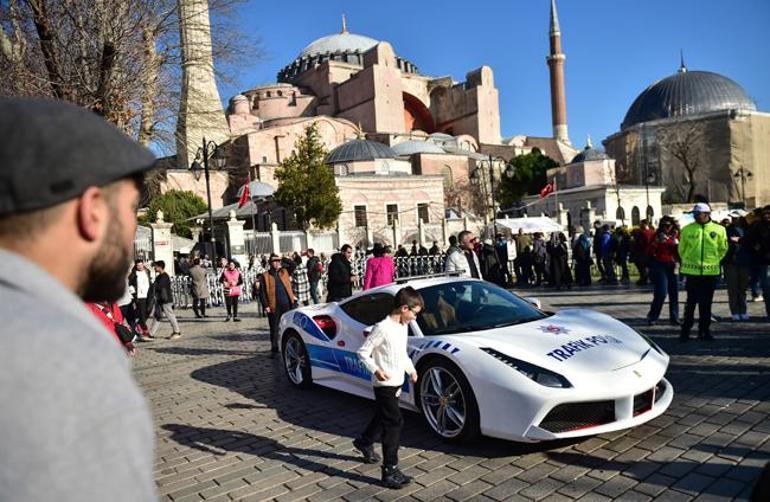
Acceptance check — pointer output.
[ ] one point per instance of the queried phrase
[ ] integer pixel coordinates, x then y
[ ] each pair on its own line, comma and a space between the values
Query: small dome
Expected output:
687, 93
338, 42
589, 154
258, 189
359, 150
239, 97
411, 147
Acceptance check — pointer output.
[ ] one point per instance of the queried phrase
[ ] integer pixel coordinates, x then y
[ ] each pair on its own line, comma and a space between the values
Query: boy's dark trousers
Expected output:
700, 292
387, 421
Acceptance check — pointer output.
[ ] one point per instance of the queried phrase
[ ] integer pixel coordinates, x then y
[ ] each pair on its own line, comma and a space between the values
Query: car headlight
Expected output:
535, 373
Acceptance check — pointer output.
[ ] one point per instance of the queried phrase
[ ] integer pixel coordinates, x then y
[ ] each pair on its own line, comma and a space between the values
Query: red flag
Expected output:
245, 195
548, 189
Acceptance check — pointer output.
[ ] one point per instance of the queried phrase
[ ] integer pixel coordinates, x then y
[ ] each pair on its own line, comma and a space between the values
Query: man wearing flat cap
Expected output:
74, 425
702, 245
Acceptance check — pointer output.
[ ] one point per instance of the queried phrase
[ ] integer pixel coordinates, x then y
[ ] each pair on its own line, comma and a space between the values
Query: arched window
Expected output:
635, 216
620, 214
650, 213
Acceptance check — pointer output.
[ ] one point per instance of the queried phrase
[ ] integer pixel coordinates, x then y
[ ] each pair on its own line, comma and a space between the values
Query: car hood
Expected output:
579, 340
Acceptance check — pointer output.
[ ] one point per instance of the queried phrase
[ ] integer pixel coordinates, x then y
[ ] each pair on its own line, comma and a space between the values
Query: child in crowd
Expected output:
384, 353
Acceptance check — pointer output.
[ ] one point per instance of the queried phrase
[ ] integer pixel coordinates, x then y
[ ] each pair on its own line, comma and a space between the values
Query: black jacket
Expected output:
758, 241
339, 286
162, 289
313, 274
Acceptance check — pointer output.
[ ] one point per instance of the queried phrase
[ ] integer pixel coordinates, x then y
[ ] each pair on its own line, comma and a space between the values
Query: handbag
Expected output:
125, 335
234, 291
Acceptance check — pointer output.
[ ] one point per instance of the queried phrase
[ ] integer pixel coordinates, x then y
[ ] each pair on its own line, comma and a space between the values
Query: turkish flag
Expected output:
548, 189
245, 196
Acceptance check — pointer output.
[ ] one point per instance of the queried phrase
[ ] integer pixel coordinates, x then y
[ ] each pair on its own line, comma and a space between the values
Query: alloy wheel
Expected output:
443, 402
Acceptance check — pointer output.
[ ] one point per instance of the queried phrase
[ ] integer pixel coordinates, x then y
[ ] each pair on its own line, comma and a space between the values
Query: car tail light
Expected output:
327, 325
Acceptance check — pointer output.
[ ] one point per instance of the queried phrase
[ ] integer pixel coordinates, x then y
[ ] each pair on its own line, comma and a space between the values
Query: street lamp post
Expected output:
476, 175
209, 150
743, 174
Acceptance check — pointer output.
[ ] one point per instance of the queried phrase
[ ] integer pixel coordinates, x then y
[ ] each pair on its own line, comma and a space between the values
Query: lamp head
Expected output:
196, 169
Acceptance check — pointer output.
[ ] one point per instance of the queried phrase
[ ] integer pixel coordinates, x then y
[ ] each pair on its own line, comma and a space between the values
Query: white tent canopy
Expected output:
530, 225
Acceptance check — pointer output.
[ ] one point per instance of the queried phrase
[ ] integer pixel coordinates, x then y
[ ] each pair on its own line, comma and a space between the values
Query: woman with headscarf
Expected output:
558, 261
581, 252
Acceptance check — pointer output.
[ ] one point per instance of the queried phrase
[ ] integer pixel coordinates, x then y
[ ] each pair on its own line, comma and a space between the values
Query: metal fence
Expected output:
409, 266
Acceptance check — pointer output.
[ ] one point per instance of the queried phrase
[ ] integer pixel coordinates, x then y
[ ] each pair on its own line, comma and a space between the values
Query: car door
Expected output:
360, 315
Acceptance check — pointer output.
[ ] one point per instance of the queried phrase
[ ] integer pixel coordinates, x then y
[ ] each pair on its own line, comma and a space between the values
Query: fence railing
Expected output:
410, 266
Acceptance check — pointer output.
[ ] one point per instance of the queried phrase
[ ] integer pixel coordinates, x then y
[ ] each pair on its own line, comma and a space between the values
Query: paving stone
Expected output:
541, 489
616, 486
469, 490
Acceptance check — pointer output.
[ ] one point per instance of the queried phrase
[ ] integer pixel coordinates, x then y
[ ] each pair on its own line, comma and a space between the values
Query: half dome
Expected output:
687, 93
412, 147
359, 150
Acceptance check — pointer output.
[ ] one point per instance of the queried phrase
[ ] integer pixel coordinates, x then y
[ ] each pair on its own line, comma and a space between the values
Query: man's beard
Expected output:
105, 279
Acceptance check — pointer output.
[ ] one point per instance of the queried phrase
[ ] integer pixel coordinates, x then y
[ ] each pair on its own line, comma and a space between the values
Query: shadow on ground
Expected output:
261, 379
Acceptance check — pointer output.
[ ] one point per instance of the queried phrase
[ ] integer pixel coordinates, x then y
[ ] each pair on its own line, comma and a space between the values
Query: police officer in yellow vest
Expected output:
702, 245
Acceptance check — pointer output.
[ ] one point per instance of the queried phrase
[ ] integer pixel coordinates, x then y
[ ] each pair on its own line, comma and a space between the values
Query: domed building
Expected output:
699, 135
383, 122
586, 190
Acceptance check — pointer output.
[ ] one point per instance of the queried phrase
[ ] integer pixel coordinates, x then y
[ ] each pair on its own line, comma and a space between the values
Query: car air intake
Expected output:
643, 402
575, 416
660, 388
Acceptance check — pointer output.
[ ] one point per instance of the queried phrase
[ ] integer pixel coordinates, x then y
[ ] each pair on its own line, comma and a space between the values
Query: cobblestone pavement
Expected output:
229, 426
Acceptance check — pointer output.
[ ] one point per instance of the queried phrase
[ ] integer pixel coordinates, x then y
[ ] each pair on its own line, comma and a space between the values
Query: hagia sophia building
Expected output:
407, 147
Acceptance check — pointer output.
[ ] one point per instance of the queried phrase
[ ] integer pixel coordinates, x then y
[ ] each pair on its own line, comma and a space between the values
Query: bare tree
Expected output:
684, 141
119, 58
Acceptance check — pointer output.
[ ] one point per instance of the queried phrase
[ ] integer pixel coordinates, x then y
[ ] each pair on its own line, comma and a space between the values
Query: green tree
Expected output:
306, 184
529, 176
177, 206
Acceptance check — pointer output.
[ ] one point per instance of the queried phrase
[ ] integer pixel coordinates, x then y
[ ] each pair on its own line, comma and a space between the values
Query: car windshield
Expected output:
468, 306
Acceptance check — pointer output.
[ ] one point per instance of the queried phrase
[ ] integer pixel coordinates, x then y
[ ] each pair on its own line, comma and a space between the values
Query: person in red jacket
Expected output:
111, 316
663, 259
643, 237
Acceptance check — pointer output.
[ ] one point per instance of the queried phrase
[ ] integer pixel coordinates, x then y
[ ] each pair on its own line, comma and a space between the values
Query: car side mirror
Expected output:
535, 302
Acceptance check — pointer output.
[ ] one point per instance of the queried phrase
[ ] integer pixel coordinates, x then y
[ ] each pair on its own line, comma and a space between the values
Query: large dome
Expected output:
359, 150
687, 93
338, 42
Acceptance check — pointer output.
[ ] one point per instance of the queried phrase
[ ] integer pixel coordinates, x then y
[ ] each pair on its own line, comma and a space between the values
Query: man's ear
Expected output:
92, 213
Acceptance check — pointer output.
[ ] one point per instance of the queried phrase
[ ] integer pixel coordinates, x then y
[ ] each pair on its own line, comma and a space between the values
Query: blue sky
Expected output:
614, 48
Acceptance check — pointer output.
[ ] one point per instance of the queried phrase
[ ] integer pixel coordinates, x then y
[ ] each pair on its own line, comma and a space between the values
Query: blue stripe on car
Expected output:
343, 361
309, 326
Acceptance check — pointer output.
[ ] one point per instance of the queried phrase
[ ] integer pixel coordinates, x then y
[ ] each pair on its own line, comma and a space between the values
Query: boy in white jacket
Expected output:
384, 353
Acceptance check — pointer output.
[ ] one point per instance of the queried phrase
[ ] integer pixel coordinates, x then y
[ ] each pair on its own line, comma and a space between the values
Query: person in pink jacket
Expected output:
380, 268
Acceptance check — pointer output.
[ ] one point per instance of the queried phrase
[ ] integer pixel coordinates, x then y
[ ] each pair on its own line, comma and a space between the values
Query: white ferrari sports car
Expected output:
489, 362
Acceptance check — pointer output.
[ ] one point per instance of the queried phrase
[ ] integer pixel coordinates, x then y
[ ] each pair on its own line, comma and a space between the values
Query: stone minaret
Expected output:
556, 65
200, 108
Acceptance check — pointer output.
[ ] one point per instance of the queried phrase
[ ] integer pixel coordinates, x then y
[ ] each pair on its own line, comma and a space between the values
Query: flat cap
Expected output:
52, 151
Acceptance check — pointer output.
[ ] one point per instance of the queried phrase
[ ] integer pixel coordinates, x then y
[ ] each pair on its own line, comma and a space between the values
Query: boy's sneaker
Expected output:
175, 336
370, 456
227, 318
392, 477
706, 337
